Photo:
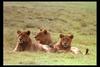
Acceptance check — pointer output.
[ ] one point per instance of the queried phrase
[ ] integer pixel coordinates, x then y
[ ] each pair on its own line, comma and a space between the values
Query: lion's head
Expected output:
23, 37
23, 41
43, 36
65, 40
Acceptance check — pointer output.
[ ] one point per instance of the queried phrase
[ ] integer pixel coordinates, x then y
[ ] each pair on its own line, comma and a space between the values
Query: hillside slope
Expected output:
56, 17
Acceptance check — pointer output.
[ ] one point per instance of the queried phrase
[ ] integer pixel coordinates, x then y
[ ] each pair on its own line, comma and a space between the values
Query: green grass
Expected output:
79, 18
41, 58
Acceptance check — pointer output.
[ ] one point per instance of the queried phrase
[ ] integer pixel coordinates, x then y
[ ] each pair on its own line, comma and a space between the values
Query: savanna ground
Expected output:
79, 18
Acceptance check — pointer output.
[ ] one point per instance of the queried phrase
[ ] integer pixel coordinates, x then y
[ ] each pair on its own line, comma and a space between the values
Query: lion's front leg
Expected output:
16, 48
56, 48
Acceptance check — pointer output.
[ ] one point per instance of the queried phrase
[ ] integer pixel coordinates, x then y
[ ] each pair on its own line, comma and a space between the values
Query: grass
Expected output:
79, 18
41, 58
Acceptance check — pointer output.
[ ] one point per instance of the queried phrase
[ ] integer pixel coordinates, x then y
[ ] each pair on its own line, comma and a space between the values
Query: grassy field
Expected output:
79, 18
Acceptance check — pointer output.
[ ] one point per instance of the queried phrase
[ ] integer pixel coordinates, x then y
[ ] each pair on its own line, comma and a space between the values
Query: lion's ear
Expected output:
71, 36
28, 32
45, 31
18, 32
40, 29
61, 35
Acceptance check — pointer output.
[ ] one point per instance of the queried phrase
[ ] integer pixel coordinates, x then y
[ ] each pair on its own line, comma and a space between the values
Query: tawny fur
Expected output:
44, 37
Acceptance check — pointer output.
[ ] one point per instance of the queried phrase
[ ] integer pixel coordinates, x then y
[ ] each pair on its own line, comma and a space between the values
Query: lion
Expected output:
64, 44
44, 37
24, 42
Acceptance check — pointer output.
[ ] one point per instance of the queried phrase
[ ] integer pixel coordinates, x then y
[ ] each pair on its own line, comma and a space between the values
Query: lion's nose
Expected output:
35, 37
65, 43
20, 39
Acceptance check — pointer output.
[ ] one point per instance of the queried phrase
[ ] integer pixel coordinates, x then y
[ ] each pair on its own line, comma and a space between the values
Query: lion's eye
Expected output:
67, 39
38, 35
23, 35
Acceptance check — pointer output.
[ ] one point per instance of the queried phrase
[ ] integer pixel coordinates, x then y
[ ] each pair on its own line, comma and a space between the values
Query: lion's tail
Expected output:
86, 52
